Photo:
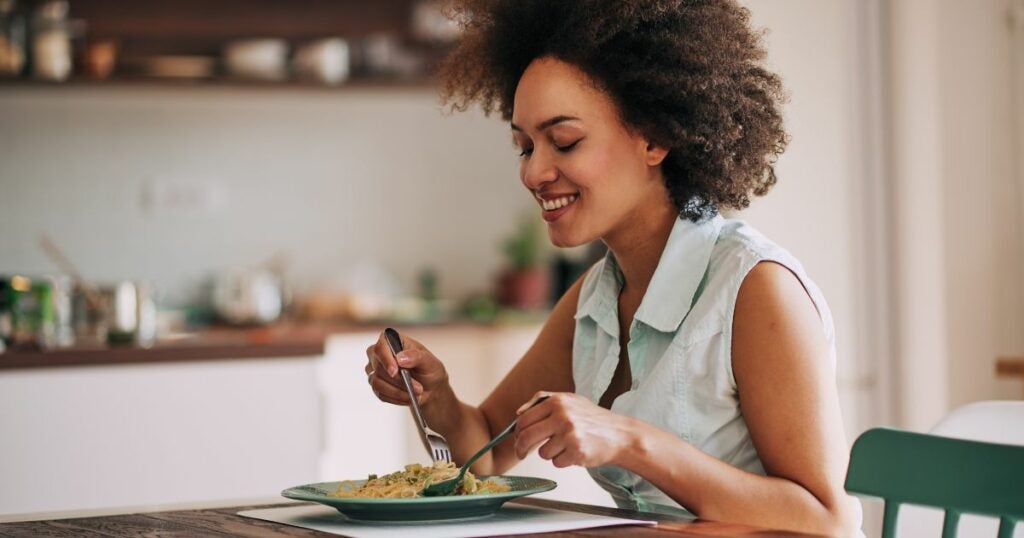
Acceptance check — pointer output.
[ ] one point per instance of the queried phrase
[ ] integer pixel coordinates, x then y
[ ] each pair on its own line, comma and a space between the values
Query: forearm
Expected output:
715, 490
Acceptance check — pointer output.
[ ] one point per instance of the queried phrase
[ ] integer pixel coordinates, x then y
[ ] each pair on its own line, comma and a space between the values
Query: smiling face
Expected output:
591, 176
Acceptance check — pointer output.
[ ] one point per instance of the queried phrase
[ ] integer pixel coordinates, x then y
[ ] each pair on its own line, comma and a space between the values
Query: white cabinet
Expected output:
76, 438
134, 435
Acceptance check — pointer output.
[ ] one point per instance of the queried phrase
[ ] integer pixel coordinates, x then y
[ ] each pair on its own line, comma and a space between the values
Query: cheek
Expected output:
593, 171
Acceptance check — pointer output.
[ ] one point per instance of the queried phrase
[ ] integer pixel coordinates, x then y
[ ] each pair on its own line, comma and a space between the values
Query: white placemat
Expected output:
510, 519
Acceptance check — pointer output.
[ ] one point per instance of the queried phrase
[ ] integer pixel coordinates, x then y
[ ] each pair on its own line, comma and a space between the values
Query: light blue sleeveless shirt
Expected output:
679, 347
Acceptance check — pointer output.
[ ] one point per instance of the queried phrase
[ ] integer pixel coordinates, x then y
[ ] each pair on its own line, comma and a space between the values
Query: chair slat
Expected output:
1006, 526
892, 513
950, 523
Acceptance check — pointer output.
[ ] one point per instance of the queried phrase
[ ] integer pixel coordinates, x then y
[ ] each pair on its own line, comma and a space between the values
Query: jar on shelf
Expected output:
51, 41
12, 39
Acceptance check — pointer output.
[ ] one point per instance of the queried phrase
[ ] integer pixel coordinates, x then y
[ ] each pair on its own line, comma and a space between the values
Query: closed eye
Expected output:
567, 148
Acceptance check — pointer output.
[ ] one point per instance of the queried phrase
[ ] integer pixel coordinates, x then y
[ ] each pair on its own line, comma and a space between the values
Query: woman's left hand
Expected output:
573, 430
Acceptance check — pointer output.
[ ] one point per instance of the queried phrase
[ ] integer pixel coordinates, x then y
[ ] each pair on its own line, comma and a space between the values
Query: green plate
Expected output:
419, 508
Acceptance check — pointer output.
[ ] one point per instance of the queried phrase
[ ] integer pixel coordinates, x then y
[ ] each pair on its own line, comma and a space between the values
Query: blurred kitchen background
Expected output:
209, 209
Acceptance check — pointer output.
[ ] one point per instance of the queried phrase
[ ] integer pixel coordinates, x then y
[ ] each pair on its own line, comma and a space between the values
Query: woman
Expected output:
693, 367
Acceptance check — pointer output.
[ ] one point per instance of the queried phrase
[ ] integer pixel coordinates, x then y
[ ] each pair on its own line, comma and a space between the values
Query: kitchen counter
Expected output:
282, 340
221, 521
219, 343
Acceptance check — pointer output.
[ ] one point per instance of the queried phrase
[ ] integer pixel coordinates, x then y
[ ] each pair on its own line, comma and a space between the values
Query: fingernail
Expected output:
392, 370
402, 359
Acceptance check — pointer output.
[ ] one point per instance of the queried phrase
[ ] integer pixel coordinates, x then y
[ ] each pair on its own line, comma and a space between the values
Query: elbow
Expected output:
843, 517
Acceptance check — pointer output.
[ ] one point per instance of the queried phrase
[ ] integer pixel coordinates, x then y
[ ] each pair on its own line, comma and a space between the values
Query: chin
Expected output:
566, 240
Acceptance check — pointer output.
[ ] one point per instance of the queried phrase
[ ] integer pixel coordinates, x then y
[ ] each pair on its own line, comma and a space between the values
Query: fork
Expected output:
437, 445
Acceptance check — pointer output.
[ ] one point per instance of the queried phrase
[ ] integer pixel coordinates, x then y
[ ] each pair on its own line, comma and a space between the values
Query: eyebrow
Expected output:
548, 122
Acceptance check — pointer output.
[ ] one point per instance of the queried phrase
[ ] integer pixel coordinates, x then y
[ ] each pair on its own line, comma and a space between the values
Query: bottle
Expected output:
51, 41
12, 40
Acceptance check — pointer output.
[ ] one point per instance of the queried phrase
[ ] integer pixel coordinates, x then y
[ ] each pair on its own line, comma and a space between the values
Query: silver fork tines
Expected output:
437, 445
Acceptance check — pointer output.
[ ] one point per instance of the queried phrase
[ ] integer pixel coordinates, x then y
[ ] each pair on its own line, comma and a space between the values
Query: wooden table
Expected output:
1010, 367
226, 522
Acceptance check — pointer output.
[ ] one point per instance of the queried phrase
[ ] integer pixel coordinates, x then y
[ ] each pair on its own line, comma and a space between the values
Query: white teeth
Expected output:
558, 203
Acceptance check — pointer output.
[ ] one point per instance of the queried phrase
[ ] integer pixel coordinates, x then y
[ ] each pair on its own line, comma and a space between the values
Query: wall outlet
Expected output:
172, 197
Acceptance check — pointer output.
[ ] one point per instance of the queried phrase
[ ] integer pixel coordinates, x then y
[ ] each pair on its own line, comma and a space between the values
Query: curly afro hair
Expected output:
685, 74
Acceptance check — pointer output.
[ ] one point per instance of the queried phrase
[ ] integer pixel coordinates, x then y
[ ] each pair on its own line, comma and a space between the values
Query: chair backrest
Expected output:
956, 475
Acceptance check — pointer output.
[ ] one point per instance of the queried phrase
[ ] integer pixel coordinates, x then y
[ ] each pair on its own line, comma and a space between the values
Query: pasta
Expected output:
415, 477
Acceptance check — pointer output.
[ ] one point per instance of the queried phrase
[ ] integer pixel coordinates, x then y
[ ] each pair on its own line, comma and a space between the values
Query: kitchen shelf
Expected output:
144, 30
209, 345
361, 84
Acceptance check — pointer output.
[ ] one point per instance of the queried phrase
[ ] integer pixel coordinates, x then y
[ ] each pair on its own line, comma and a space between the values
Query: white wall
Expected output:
925, 148
959, 229
984, 258
329, 177
814, 209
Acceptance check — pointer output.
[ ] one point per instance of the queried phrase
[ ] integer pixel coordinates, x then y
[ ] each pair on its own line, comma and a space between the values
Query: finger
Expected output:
382, 351
385, 391
394, 402
397, 384
378, 365
414, 360
552, 448
528, 438
533, 415
565, 459
537, 398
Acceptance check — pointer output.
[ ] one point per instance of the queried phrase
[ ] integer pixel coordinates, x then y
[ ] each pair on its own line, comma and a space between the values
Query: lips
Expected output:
555, 207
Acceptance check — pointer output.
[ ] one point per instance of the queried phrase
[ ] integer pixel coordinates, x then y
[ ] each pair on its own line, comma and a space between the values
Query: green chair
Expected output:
956, 475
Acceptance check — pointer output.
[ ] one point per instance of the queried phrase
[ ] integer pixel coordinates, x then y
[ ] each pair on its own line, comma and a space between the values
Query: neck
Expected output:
638, 245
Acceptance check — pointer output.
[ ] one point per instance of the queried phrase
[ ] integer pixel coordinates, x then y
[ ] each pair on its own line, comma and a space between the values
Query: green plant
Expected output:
524, 248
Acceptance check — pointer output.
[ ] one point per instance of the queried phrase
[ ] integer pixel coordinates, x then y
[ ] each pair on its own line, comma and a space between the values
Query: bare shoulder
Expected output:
771, 285
778, 338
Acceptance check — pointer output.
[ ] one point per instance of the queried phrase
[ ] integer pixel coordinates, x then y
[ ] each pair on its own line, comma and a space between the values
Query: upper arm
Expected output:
786, 382
547, 365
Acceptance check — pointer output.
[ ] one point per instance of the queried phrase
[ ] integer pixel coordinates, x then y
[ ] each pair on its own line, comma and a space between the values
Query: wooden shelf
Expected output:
360, 83
1010, 367
147, 29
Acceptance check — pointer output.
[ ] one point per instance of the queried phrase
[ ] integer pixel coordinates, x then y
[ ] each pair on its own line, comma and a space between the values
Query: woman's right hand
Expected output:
427, 372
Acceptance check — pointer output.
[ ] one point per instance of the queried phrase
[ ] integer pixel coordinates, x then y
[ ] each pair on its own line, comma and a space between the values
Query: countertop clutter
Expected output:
273, 341
216, 343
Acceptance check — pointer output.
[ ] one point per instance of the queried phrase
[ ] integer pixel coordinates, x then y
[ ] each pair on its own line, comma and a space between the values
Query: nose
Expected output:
538, 170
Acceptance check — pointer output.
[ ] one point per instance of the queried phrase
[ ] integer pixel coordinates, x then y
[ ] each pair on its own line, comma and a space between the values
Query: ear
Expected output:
654, 154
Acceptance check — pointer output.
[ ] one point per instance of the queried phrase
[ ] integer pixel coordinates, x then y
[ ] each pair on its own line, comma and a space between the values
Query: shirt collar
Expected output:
602, 304
682, 266
672, 289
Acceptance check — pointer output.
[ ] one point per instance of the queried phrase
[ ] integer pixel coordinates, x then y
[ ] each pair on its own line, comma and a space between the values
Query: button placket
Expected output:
637, 349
